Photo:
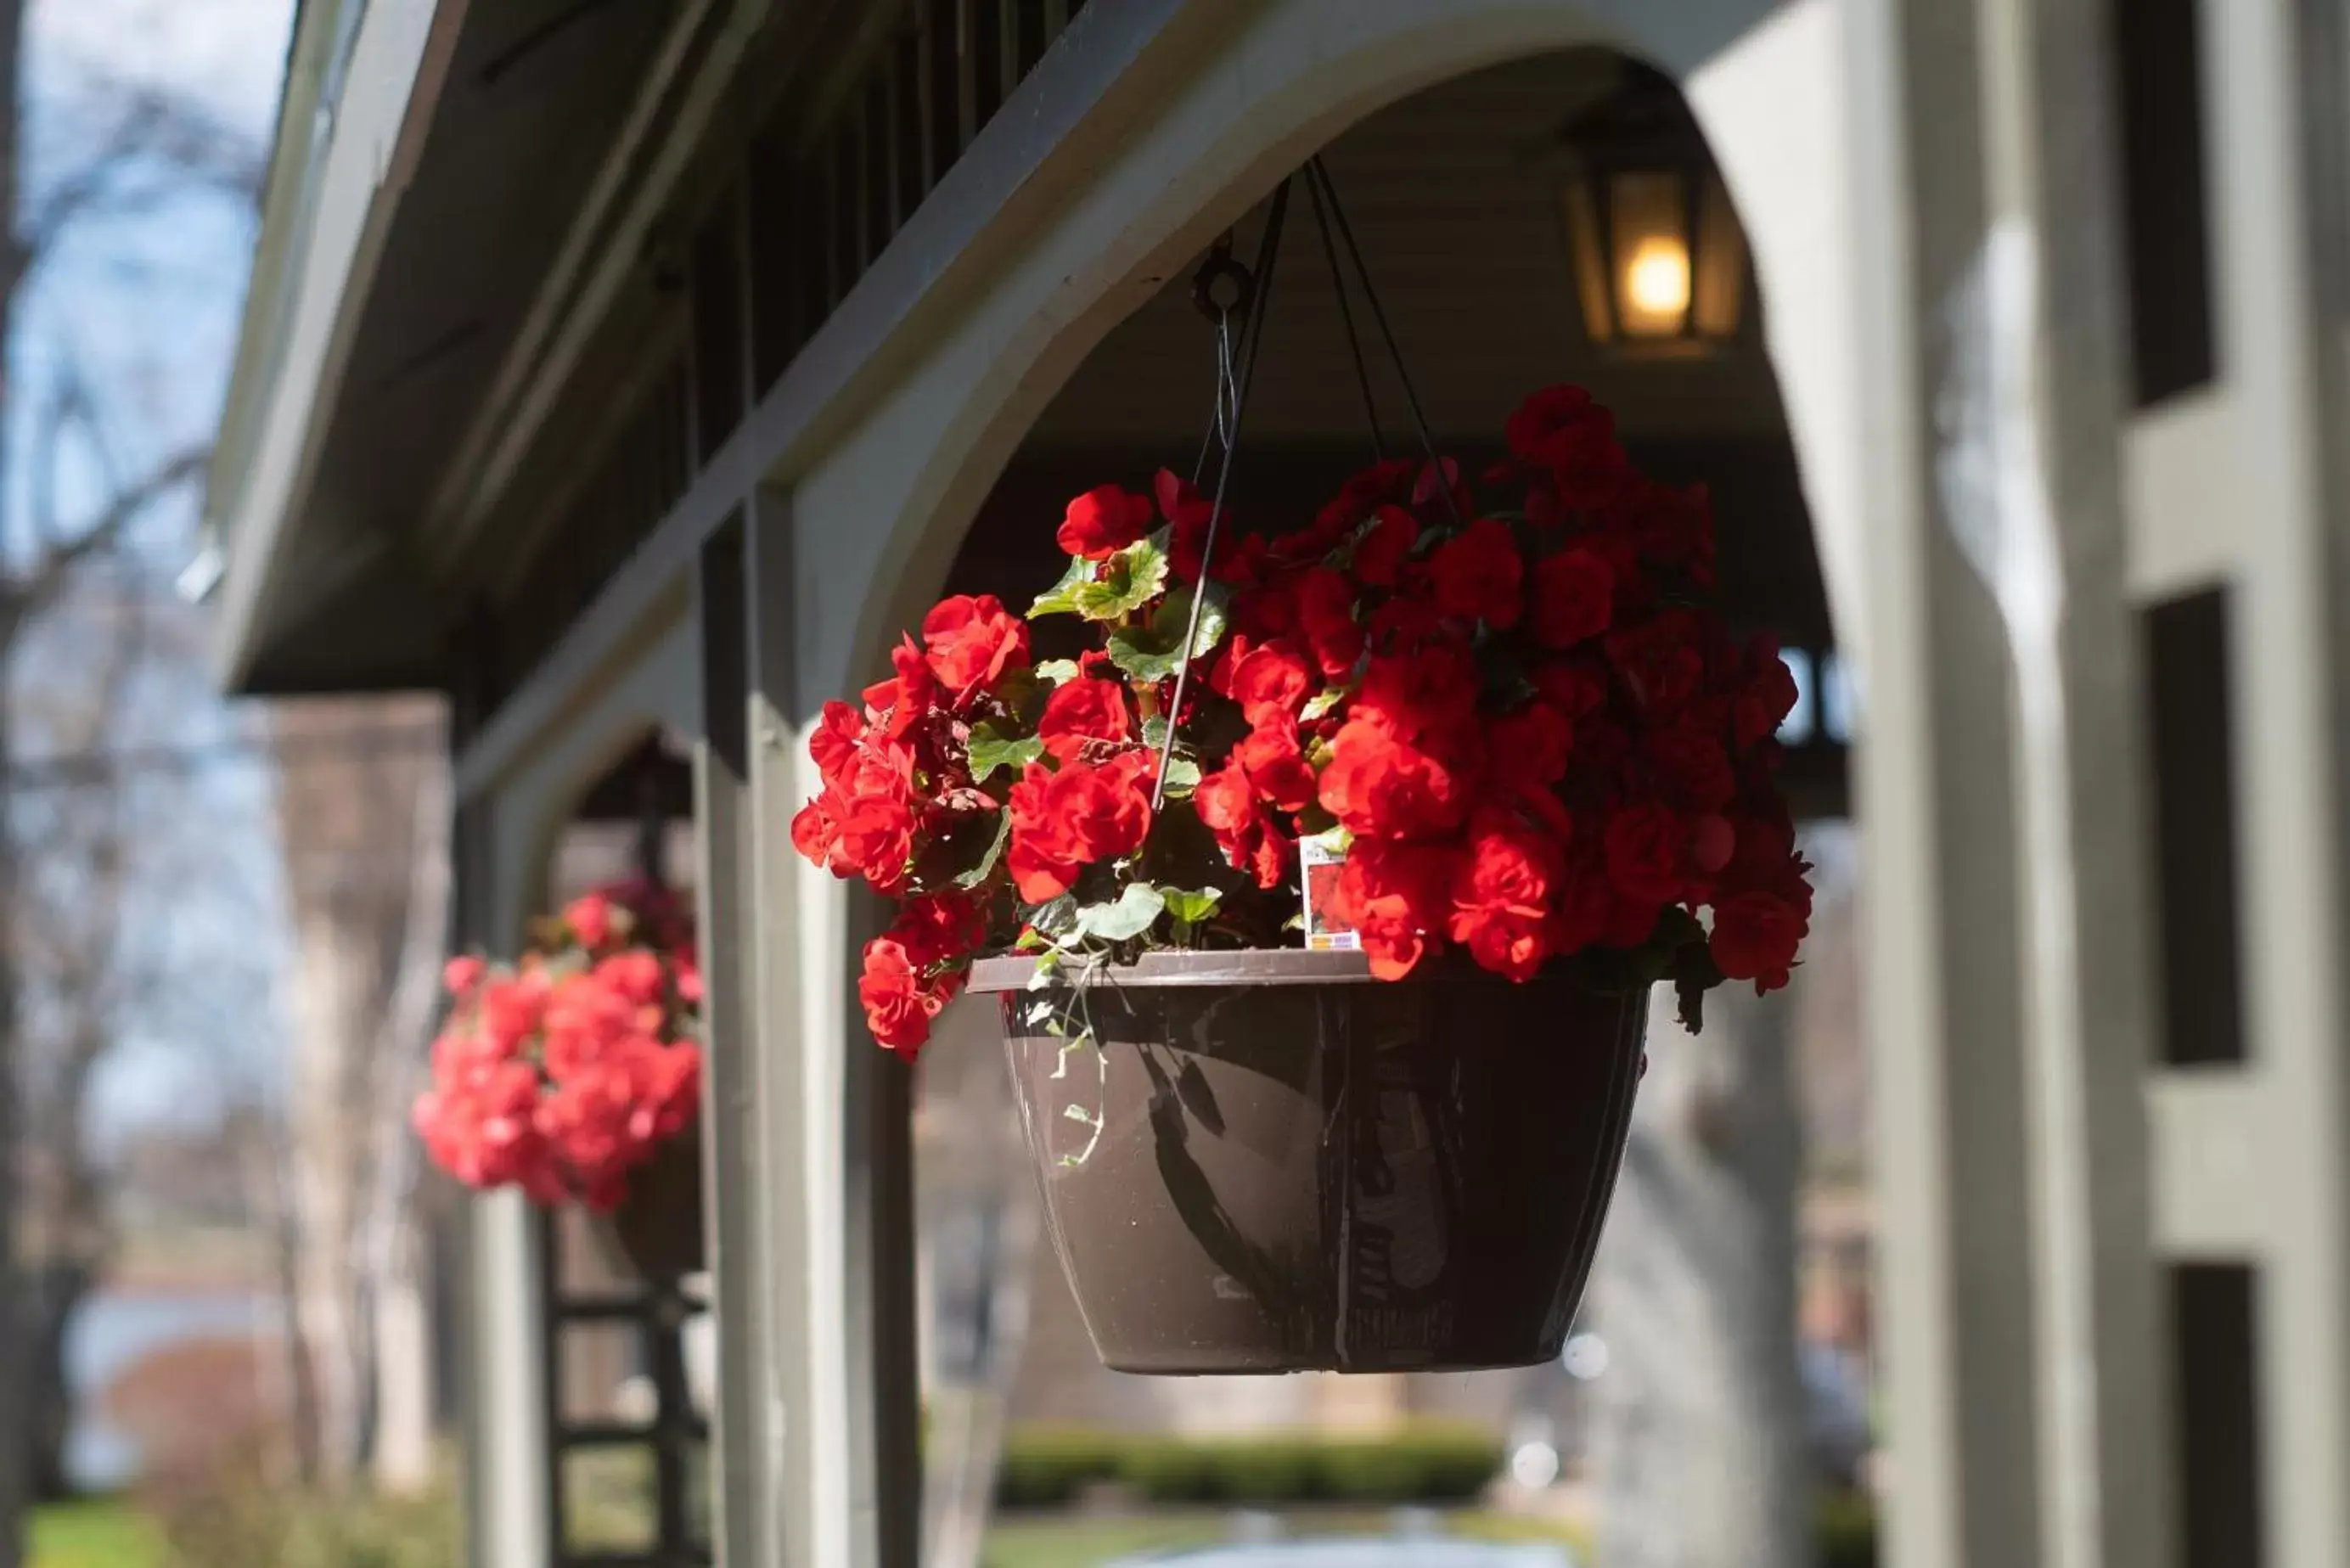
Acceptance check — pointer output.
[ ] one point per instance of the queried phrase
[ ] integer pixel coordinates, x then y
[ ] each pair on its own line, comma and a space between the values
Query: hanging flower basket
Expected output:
1279, 1163
575, 1075
1329, 866
657, 1226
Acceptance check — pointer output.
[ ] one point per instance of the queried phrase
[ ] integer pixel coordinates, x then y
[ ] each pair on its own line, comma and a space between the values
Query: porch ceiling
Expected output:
527, 110
1455, 194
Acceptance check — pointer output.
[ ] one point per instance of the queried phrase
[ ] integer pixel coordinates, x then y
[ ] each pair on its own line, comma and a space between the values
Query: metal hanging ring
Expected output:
1222, 287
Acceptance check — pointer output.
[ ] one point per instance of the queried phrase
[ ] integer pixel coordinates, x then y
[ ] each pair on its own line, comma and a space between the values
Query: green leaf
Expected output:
1191, 907
1061, 597
995, 852
1182, 773
1693, 974
1154, 651
1126, 918
1128, 581
1334, 841
1506, 683
1677, 930
1059, 671
1321, 703
990, 751
1056, 918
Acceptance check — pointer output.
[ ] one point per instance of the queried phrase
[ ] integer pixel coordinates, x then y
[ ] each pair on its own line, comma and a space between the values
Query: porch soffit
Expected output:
448, 204
359, 95
1094, 74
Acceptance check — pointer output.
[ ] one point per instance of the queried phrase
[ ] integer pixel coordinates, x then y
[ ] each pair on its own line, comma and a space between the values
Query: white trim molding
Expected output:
282, 391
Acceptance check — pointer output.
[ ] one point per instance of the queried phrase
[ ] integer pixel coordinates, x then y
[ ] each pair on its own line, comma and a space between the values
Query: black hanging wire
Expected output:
1219, 268
1319, 174
1253, 291
1347, 316
653, 825
1268, 255
1220, 413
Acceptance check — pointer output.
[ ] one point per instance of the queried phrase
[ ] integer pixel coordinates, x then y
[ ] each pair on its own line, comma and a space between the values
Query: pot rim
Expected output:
1241, 967
1247, 966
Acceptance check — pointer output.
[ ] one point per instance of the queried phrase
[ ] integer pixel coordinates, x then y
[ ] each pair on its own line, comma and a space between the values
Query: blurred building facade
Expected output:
614, 368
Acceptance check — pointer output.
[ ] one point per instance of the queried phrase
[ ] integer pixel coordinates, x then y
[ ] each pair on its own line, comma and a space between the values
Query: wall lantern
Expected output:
1659, 260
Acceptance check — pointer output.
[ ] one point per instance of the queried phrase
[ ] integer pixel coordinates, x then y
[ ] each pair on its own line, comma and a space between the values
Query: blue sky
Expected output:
145, 308
231, 53
148, 302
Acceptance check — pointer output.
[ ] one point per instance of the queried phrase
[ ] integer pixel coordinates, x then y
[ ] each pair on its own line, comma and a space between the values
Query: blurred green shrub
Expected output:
1263, 1470
1847, 1531
1045, 1467
237, 1516
1169, 1469
93, 1533
1428, 1463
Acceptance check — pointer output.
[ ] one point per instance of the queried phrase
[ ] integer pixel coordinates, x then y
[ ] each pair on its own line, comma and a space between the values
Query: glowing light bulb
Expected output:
1657, 279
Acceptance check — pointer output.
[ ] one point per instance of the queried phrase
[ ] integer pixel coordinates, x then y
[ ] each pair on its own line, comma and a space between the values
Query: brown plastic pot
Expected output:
658, 1227
1277, 1163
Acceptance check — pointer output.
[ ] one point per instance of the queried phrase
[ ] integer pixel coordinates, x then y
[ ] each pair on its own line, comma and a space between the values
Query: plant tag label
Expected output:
1319, 861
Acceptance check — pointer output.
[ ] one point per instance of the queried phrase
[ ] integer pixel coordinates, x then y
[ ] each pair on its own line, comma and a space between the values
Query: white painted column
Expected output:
2048, 530
2279, 359
1944, 1003
835, 1129
806, 1494
2000, 775
509, 1489
747, 1430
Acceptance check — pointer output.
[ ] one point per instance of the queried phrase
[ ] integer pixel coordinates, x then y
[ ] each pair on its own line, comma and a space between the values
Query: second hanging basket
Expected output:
658, 1227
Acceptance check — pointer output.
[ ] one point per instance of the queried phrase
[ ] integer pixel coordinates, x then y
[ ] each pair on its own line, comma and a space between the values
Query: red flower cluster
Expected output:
1516, 714
1066, 820
918, 966
561, 1074
898, 789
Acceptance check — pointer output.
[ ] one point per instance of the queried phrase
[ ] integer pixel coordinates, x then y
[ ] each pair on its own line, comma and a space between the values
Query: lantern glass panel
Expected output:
1648, 213
1586, 249
1721, 270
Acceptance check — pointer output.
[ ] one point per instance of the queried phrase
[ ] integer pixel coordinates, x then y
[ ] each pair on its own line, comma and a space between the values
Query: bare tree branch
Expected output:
48, 440
67, 971
38, 587
156, 136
